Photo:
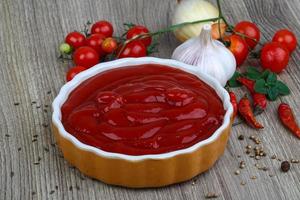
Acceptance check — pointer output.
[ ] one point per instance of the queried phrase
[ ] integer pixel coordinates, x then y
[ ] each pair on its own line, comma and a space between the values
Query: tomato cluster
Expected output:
95, 46
98, 44
274, 55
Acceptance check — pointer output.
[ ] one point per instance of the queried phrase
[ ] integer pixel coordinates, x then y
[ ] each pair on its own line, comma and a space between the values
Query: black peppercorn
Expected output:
285, 166
241, 137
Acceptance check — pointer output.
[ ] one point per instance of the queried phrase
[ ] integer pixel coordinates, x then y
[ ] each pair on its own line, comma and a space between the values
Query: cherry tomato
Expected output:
95, 41
75, 39
103, 27
286, 38
86, 57
250, 30
215, 32
239, 49
74, 71
65, 48
133, 49
137, 30
274, 56
109, 45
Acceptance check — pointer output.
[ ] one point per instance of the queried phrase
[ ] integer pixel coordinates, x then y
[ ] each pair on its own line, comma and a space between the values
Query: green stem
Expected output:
170, 28
219, 20
226, 22
176, 26
281, 99
221, 14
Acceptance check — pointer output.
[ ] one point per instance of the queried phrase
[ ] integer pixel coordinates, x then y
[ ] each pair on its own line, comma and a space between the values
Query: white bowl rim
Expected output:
71, 85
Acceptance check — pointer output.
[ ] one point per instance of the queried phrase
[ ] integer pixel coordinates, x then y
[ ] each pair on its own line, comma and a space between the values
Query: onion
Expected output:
192, 10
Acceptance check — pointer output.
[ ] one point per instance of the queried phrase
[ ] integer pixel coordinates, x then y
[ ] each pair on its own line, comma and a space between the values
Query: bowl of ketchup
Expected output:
142, 122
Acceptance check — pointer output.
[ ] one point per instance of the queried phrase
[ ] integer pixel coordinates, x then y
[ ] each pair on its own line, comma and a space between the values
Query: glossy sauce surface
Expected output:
139, 110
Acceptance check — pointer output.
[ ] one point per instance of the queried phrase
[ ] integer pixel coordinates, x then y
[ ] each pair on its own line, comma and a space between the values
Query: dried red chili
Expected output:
234, 103
259, 100
249, 84
287, 117
246, 112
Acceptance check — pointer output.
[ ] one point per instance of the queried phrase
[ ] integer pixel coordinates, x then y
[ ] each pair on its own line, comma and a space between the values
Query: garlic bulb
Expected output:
192, 10
208, 55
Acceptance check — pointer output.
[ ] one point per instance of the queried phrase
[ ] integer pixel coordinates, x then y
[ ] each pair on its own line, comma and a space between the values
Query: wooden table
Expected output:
31, 165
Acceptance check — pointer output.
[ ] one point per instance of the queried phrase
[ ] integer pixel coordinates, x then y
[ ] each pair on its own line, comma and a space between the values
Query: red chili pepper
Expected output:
234, 103
288, 119
259, 100
246, 112
249, 84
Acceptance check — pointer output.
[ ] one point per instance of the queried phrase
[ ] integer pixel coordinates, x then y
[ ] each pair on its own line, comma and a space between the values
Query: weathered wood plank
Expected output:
30, 32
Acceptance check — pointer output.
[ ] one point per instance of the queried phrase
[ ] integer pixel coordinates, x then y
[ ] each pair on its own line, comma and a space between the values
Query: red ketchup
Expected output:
139, 110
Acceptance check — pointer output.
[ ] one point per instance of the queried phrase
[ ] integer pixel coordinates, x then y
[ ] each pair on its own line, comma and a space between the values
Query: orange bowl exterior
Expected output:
147, 172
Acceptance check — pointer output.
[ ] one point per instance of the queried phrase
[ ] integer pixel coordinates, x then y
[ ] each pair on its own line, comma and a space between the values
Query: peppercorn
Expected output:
242, 165
285, 166
237, 172
241, 137
273, 157
211, 195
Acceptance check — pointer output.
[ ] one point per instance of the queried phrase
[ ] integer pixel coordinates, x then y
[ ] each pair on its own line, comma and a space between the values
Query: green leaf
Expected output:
272, 78
251, 69
272, 94
253, 73
233, 81
282, 88
260, 86
129, 25
272, 84
265, 74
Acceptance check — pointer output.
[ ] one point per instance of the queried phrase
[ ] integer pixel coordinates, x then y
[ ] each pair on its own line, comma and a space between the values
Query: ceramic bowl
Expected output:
142, 170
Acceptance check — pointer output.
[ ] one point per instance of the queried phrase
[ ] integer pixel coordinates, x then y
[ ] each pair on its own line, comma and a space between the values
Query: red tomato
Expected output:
287, 38
250, 30
95, 41
74, 71
274, 56
86, 57
75, 39
215, 32
103, 27
109, 45
137, 30
133, 49
239, 49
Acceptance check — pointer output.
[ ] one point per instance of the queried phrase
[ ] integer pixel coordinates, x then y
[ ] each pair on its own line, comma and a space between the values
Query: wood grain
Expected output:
31, 166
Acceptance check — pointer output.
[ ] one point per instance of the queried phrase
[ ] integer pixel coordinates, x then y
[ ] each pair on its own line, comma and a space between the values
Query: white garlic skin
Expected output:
209, 56
192, 10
